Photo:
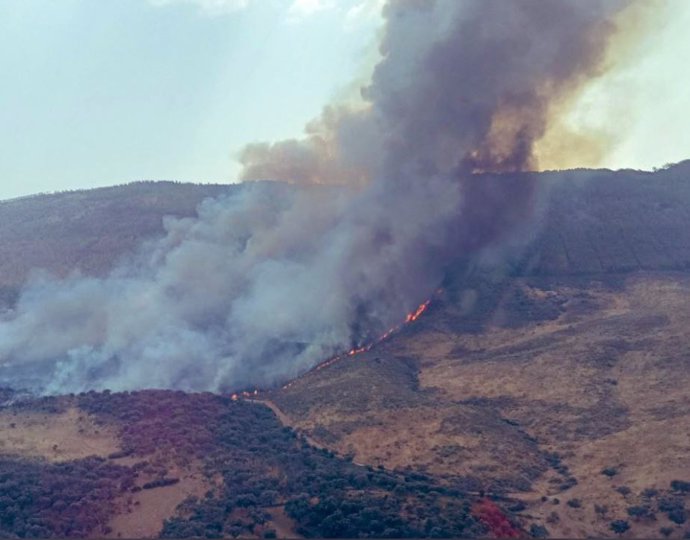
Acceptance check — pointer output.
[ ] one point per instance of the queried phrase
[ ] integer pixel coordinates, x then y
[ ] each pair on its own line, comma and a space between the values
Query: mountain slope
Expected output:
541, 408
87, 230
556, 383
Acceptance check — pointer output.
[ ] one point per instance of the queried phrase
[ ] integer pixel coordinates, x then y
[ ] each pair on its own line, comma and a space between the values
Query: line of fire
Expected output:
410, 318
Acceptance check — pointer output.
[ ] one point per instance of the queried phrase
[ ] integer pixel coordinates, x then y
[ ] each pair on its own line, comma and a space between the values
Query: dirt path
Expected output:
282, 523
287, 421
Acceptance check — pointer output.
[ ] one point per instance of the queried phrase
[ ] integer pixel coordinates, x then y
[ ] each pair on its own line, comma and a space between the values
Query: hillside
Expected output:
603, 222
538, 404
548, 395
589, 222
87, 230
200, 465
561, 380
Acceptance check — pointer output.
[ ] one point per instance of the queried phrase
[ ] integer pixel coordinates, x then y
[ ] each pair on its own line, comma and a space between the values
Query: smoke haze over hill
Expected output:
270, 280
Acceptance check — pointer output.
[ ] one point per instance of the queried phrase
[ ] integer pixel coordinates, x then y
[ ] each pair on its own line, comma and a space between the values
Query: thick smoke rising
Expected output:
267, 282
462, 83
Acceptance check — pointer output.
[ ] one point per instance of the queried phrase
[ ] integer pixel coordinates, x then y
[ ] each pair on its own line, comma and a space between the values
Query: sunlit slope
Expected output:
566, 378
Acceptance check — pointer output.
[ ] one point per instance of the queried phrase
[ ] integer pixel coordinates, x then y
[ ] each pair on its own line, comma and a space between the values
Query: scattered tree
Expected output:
619, 526
609, 471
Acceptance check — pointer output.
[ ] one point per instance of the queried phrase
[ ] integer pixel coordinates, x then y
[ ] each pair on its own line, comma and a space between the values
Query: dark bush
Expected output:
161, 482
643, 512
120, 454
601, 509
538, 531
74, 499
671, 504
619, 526
681, 486
678, 516
519, 506
569, 482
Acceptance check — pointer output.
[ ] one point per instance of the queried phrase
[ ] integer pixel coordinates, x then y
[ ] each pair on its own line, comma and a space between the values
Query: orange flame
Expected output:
418, 312
411, 317
244, 394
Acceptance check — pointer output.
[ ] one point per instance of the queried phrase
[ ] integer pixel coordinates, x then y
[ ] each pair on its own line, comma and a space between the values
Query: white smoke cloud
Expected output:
260, 287
267, 282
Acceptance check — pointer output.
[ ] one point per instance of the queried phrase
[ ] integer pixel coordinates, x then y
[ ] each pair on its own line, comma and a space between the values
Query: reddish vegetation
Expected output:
493, 517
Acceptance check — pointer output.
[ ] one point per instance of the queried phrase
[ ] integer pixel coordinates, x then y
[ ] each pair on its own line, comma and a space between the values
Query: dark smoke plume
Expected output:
265, 284
462, 84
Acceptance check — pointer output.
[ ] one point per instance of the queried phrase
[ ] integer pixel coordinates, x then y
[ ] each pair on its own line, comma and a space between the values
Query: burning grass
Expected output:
355, 351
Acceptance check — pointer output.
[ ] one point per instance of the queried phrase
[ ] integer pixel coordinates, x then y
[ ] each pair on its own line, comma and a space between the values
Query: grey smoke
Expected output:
265, 283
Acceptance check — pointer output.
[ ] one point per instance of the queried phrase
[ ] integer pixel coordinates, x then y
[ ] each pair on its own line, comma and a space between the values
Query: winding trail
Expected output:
287, 421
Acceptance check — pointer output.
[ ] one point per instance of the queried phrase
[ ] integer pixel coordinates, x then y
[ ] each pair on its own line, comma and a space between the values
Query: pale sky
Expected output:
644, 102
101, 92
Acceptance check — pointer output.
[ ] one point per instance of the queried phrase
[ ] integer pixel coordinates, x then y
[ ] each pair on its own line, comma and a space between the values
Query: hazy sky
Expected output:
98, 92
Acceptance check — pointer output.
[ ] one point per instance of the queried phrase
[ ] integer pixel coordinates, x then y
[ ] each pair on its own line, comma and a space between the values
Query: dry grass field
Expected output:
537, 409
64, 436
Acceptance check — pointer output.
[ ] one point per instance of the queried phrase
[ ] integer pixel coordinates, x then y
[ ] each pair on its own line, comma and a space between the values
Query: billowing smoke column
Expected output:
267, 282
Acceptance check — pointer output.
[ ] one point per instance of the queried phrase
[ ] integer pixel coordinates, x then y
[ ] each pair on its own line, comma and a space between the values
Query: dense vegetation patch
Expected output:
73, 499
257, 467
264, 465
